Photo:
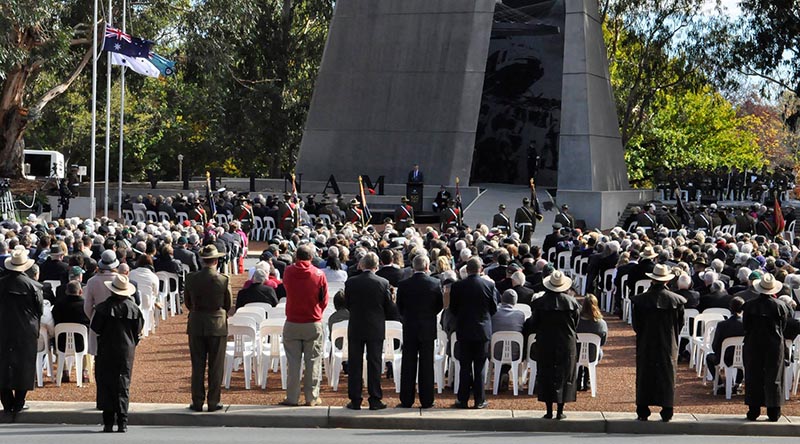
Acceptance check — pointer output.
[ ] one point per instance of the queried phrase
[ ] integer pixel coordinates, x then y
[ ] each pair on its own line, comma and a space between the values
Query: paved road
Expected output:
34, 434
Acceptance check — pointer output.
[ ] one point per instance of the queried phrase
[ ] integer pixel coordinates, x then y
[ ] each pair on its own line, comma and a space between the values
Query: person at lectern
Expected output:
415, 175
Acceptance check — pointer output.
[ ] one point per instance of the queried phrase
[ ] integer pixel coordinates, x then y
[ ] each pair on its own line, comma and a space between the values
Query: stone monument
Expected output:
401, 82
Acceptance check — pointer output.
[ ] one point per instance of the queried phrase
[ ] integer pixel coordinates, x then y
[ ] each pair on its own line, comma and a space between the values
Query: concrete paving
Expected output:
408, 419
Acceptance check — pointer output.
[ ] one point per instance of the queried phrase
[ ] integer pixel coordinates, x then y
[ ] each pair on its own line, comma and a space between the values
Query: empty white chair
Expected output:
244, 348
736, 342
168, 289
607, 289
338, 352
440, 359
696, 339
393, 350
257, 232
508, 342
44, 359
586, 360
688, 316
530, 371
705, 347
71, 353
269, 227
272, 353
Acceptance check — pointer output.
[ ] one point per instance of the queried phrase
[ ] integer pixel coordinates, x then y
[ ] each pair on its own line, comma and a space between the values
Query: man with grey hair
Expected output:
717, 297
472, 302
524, 294
419, 300
368, 298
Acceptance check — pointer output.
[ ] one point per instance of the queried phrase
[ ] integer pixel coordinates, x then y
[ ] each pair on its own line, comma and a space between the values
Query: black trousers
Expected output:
417, 352
472, 358
355, 368
209, 349
13, 400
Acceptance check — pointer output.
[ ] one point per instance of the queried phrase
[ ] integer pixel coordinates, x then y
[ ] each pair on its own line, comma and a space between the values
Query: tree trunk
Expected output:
13, 120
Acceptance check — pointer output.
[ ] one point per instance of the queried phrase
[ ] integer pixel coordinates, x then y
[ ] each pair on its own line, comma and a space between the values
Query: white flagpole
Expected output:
121, 118
108, 120
94, 113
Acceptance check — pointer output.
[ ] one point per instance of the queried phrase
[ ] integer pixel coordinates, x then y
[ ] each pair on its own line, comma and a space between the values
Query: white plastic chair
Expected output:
792, 372
273, 355
524, 308
221, 219
128, 217
338, 354
696, 339
166, 283
70, 352
507, 339
44, 357
181, 216
589, 362
737, 342
260, 311
393, 349
54, 284
688, 316
551, 255
258, 229
277, 312
607, 296
163, 216
789, 233
530, 371
263, 305
704, 349
562, 262
440, 359
269, 227
723, 311
152, 216
244, 348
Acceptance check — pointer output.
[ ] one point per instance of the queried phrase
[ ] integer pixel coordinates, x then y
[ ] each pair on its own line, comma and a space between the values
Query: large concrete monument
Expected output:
414, 81
400, 83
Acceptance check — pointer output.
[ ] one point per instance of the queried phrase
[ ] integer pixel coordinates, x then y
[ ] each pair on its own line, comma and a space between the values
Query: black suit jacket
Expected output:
717, 299
472, 302
728, 328
369, 301
419, 299
186, 257
256, 293
419, 179
391, 274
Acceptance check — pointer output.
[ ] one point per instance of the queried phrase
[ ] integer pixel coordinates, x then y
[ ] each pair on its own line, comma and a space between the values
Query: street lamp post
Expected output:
180, 167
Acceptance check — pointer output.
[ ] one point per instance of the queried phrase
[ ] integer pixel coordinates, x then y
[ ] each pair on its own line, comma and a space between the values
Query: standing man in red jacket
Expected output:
306, 299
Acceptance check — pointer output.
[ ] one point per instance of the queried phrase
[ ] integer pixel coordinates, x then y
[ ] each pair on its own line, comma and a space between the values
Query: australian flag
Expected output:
122, 43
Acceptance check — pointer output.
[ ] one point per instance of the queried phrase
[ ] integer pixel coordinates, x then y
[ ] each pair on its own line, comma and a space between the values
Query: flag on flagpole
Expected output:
209, 198
366, 215
125, 44
139, 65
296, 199
780, 222
458, 203
682, 211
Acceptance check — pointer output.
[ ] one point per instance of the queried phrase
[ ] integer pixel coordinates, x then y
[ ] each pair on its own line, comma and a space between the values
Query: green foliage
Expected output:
699, 129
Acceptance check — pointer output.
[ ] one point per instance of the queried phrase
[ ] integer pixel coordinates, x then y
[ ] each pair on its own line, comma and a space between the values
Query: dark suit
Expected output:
256, 293
187, 257
415, 176
391, 273
472, 302
369, 301
419, 299
728, 328
717, 299
208, 298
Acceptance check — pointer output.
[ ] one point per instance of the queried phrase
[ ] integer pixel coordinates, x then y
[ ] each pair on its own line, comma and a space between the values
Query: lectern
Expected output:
414, 194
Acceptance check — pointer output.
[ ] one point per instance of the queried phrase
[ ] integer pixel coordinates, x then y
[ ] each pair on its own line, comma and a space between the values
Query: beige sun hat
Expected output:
120, 285
648, 253
210, 252
557, 282
661, 273
767, 284
18, 261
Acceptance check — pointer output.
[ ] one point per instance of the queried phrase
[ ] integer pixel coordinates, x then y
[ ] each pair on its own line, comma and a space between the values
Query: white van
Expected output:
44, 164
